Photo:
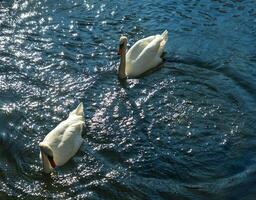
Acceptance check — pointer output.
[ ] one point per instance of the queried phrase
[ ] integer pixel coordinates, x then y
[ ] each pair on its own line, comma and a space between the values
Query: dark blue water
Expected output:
186, 131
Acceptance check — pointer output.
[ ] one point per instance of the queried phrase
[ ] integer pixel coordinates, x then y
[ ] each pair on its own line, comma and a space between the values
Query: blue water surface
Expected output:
186, 131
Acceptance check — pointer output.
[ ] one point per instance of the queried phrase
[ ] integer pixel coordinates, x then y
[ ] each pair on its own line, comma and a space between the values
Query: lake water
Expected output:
186, 131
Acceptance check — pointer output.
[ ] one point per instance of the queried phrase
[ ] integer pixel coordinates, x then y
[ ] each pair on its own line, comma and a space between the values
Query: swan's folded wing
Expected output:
55, 135
138, 47
72, 132
151, 50
68, 143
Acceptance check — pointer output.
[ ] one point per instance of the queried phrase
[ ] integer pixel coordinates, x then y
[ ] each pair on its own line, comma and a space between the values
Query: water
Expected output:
186, 131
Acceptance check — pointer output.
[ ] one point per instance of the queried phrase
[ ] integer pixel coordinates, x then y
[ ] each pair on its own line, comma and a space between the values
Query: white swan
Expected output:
63, 141
145, 54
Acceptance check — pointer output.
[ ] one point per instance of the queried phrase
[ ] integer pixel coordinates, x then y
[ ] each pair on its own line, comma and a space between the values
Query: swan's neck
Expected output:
121, 70
46, 164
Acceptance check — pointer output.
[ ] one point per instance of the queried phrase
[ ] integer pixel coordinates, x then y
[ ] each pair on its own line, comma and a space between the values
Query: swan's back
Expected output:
66, 138
145, 54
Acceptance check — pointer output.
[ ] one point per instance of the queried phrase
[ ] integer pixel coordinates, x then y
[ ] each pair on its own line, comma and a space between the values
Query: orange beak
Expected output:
53, 164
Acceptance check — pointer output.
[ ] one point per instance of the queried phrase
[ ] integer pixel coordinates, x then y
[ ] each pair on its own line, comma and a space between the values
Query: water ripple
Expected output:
184, 131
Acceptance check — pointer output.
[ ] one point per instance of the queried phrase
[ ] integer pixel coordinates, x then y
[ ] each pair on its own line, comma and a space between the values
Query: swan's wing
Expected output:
138, 47
55, 135
71, 132
69, 143
150, 51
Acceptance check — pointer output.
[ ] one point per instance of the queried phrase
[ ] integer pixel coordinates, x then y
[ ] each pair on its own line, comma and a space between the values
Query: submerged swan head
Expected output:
47, 157
122, 51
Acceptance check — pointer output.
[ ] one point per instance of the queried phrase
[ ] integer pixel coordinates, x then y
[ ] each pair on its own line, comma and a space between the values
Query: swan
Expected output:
145, 54
63, 141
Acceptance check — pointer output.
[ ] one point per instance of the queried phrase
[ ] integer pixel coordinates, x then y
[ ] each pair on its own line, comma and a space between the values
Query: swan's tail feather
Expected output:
165, 35
79, 110
163, 42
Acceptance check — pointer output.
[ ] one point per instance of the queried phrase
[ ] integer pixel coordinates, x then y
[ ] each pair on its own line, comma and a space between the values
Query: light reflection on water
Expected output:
185, 131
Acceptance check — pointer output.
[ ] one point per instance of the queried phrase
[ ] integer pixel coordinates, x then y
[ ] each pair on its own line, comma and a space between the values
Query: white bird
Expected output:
63, 141
144, 55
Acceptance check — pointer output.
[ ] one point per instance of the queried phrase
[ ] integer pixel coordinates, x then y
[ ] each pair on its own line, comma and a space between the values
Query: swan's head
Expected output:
122, 44
47, 157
